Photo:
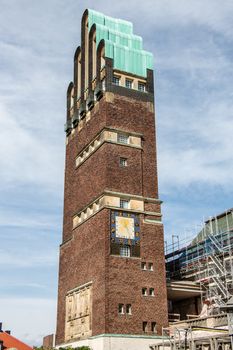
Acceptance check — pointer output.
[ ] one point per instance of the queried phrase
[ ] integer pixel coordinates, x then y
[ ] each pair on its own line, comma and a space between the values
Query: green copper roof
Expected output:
121, 44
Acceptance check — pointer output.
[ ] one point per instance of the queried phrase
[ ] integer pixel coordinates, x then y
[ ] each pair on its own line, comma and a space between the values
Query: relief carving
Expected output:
78, 313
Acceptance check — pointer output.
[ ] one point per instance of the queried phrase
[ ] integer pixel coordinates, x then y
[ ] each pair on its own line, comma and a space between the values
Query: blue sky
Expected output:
192, 45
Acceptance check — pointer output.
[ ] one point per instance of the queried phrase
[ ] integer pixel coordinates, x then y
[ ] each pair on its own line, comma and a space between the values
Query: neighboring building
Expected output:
48, 342
7, 341
112, 283
200, 288
206, 261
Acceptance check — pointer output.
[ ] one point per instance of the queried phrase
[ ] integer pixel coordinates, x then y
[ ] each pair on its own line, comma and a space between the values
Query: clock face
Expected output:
124, 227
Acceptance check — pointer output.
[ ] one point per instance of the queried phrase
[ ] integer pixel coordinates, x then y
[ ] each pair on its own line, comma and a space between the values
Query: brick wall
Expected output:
86, 255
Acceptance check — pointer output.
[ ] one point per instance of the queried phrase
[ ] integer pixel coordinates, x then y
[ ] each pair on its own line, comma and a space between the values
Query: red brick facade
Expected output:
85, 252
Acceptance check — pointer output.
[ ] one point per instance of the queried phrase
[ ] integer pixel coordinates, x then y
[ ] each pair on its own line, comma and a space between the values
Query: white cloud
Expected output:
27, 258
29, 319
20, 219
26, 157
199, 58
172, 13
25, 285
200, 149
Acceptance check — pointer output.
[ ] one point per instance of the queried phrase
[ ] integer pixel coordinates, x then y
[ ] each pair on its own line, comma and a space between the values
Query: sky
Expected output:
192, 45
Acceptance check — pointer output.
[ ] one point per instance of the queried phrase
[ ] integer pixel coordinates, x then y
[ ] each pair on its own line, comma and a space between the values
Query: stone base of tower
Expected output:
116, 342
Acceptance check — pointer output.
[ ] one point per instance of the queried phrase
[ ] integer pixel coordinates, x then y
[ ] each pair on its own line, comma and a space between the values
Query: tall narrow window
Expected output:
79, 77
125, 250
144, 292
103, 84
116, 80
128, 309
72, 99
86, 52
94, 56
143, 266
121, 309
153, 327
152, 292
102, 59
150, 266
145, 326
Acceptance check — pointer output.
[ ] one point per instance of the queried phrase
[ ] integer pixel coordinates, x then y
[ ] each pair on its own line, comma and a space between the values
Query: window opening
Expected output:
124, 203
123, 162
103, 84
128, 309
153, 327
122, 138
121, 309
141, 87
128, 83
143, 266
144, 326
125, 251
152, 292
150, 266
116, 80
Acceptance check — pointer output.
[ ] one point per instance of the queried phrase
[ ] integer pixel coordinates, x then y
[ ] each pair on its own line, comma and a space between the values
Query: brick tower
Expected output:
112, 285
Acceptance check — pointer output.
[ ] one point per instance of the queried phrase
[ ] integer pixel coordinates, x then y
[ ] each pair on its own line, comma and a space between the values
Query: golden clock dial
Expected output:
125, 227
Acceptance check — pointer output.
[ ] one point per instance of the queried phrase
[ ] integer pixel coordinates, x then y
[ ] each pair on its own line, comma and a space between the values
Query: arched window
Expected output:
102, 58
101, 65
79, 77
86, 52
92, 58
70, 100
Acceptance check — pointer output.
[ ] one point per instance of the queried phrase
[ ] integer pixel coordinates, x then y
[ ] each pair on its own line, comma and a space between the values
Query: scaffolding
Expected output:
193, 338
206, 259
